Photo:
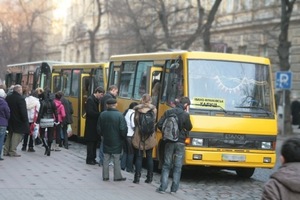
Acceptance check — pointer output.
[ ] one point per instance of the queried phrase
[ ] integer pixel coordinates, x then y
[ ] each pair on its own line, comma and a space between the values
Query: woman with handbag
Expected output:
46, 119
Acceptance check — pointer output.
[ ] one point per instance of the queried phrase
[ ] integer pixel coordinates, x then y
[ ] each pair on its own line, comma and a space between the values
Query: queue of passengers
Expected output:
22, 113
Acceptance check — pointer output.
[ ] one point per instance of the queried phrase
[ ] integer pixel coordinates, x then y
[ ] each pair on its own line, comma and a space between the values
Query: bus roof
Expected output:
191, 55
49, 62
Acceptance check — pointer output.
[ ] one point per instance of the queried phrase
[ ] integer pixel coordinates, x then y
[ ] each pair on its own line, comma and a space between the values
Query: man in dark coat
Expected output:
67, 120
113, 128
111, 93
90, 133
18, 123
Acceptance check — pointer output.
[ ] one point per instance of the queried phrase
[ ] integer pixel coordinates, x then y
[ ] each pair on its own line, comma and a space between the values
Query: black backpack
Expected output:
147, 124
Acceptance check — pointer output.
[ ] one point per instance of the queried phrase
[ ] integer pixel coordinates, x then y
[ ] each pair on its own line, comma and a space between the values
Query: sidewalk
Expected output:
64, 175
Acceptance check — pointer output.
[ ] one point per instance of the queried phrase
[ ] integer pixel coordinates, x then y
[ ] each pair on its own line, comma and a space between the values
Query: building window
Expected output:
263, 50
243, 49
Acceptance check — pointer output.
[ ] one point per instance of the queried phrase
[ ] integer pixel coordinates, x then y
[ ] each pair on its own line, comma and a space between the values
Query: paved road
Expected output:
64, 175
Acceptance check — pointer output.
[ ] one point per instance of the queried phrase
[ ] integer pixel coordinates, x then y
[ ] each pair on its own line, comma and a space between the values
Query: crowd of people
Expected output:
121, 136
23, 111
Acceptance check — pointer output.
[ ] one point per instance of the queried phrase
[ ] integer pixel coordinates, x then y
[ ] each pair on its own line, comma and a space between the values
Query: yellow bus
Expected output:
77, 82
30, 74
232, 103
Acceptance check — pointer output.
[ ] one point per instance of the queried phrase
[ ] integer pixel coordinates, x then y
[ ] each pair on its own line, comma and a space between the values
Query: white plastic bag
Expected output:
69, 130
36, 131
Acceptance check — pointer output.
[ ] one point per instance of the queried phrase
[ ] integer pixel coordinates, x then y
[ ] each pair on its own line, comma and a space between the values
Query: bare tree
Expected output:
283, 51
157, 25
92, 33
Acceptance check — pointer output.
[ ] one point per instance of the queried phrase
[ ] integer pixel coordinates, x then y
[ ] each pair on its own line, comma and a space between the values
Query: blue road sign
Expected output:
284, 80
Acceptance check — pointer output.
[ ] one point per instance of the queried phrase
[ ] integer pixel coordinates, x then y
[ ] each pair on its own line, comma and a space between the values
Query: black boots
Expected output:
149, 177
137, 177
47, 147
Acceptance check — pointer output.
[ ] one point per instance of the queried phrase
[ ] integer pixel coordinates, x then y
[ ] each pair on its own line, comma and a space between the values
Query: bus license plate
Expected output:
233, 158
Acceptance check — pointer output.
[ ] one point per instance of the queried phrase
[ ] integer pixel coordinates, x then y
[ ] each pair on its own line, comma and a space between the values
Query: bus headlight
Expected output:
266, 145
197, 142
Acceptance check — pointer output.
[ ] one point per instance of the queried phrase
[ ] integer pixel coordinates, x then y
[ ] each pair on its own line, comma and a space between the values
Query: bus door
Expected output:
155, 84
85, 88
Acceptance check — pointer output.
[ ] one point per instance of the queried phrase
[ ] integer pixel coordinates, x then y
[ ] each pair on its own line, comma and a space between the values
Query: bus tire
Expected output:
245, 172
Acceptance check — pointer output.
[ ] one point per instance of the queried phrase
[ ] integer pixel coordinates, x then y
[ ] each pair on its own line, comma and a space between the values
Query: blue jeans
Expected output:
2, 136
139, 159
128, 155
174, 153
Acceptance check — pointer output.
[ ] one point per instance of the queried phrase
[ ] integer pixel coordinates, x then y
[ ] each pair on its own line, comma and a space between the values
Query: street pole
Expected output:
283, 112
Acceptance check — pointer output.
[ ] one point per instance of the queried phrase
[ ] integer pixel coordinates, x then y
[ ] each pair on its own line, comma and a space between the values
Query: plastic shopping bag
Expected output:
35, 132
69, 130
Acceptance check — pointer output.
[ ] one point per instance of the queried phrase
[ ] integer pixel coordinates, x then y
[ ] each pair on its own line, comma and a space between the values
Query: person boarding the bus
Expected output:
33, 107
90, 133
174, 150
144, 142
128, 152
47, 112
112, 93
285, 182
113, 128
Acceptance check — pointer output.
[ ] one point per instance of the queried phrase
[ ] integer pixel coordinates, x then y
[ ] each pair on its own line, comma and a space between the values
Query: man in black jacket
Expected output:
18, 123
174, 151
92, 114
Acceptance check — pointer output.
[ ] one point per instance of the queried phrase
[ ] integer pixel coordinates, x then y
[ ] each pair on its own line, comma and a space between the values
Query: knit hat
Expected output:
2, 93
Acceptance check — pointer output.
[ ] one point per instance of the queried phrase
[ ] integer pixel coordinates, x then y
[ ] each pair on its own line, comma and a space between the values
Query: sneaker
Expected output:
160, 191
23, 149
172, 192
111, 164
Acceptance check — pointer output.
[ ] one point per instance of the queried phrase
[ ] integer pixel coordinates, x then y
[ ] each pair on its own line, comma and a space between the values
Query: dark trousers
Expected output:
25, 139
91, 148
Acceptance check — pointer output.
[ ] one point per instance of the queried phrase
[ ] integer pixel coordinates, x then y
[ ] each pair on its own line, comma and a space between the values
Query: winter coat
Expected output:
69, 111
4, 112
92, 114
129, 117
184, 122
284, 183
112, 126
104, 99
33, 107
137, 141
61, 113
18, 121
47, 110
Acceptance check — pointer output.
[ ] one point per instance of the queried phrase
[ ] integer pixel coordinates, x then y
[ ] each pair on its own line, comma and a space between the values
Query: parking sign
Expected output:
284, 80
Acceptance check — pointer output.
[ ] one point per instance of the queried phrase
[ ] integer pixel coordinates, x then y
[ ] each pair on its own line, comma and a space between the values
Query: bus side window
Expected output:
141, 83
127, 79
66, 87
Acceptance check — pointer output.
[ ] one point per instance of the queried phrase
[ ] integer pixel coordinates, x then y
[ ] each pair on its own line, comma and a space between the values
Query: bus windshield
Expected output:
230, 86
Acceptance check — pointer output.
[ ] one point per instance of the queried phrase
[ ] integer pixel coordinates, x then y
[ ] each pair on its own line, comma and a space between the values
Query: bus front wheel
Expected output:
245, 172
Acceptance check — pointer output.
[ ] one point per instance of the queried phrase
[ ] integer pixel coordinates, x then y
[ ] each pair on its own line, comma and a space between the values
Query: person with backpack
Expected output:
144, 138
175, 125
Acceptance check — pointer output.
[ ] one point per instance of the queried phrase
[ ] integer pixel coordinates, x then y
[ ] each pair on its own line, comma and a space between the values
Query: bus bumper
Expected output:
230, 159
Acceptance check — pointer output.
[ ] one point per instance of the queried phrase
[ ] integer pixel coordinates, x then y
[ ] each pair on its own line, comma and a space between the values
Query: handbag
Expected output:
46, 122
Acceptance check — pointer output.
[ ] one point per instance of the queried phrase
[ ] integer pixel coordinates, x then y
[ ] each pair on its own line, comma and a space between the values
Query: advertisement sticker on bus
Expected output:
204, 102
